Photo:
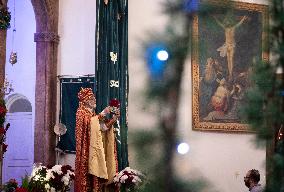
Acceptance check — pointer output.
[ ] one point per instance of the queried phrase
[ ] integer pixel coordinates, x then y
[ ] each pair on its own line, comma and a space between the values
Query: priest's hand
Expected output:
105, 111
117, 114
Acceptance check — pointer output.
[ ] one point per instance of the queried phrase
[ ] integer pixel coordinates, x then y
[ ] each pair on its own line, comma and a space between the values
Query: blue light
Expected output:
156, 57
191, 5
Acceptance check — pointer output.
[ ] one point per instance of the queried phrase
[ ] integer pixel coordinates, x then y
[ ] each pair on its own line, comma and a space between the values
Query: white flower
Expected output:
70, 172
47, 186
128, 169
123, 178
116, 178
138, 179
49, 175
36, 177
57, 169
65, 180
132, 176
52, 189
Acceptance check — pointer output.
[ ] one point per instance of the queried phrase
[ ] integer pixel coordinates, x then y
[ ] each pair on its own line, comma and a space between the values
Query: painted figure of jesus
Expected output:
228, 49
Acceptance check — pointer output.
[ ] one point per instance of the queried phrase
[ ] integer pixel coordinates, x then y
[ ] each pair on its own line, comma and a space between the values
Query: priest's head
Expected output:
87, 97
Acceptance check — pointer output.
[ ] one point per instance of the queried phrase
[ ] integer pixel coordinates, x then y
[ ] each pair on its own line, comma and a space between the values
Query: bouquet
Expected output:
129, 179
51, 179
114, 105
12, 186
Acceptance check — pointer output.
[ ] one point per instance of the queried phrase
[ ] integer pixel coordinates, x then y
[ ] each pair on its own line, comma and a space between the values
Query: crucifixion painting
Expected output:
226, 42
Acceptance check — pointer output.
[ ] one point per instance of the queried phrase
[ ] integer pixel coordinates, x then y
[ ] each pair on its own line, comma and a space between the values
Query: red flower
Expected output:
12, 181
4, 147
49, 166
114, 103
2, 130
3, 111
21, 189
65, 168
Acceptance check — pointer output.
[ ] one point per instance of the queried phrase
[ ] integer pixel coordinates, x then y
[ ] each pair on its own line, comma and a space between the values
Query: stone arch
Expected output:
46, 38
18, 103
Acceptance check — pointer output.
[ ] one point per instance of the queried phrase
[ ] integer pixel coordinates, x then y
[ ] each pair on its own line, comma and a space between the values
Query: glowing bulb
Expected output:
279, 70
183, 148
162, 55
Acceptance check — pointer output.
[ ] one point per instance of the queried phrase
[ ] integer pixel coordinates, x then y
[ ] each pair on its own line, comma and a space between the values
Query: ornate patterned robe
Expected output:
82, 135
95, 153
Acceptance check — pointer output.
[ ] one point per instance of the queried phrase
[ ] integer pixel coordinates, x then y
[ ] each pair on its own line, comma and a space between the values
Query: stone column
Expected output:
3, 35
45, 98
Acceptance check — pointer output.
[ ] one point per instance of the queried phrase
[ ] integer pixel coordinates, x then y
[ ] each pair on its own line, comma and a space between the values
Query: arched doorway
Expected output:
19, 158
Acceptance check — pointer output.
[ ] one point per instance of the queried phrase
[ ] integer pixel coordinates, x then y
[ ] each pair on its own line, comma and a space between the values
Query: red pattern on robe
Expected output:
82, 134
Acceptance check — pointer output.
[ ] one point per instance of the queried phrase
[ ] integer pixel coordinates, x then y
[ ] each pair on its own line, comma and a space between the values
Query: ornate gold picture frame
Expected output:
227, 39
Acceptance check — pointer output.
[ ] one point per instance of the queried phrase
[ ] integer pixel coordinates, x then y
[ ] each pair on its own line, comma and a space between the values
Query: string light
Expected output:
183, 148
162, 55
280, 133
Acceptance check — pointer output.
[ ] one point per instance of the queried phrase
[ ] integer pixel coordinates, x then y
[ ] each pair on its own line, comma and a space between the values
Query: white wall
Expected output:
144, 17
22, 74
77, 22
222, 158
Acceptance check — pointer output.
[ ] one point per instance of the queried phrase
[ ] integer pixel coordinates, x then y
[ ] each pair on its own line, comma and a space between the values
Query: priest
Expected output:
96, 161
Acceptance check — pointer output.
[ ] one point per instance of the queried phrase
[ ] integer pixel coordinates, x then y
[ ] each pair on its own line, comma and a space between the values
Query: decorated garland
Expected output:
5, 18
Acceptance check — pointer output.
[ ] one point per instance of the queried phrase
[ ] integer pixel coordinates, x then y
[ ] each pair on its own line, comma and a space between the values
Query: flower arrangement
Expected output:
114, 107
129, 179
51, 179
44, 179
10, 186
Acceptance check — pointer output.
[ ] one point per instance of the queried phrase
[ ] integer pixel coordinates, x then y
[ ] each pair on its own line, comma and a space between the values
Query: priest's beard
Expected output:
91, 107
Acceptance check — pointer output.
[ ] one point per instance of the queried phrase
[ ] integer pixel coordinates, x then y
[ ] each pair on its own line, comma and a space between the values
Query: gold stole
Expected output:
102, 151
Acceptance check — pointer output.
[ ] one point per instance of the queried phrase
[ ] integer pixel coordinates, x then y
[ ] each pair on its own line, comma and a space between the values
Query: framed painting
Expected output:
227, 39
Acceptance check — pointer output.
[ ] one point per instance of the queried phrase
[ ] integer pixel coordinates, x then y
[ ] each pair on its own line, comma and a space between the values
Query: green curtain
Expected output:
112, 64
69, 88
